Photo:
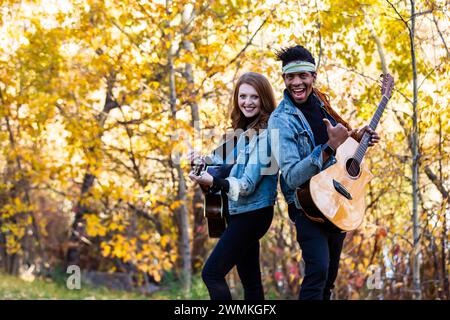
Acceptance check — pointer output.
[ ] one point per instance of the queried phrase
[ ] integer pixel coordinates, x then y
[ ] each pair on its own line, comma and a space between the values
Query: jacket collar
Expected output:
290, 108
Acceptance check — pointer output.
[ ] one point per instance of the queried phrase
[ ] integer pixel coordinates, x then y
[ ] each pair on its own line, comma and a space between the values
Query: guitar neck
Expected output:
364, 143
377, 116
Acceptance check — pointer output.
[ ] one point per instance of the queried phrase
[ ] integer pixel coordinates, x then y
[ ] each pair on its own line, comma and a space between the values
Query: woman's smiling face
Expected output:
248, 100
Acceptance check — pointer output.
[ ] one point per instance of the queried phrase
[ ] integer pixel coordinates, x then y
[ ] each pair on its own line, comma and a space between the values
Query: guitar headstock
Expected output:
387, 85
198, 165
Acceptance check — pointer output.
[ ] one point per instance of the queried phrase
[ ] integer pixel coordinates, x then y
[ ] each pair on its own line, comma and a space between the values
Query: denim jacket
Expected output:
254, 174
293, 146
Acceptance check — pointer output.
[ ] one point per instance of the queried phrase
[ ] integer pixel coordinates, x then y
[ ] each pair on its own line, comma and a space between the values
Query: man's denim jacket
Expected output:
293, 146
254, 174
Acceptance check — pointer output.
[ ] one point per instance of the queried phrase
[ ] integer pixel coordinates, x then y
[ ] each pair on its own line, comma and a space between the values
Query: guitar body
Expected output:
336, 195
215, 205
214, 212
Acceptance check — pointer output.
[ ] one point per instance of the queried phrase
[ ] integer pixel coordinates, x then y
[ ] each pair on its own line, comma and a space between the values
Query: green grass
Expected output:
14, 288
172, 290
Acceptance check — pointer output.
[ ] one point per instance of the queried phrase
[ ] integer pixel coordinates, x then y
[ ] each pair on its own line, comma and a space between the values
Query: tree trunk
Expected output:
21, 189
200, 235
377, 42
445, 201
439, 183
3, 255
414, 138
181, 211
444, 249
77, 230
415, 164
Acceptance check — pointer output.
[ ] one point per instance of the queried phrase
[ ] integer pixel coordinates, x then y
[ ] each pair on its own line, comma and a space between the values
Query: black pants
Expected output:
321, 250
238, 246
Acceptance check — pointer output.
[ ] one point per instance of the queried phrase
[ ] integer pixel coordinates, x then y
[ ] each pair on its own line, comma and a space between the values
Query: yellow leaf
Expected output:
145, 236
164, 240
106, 250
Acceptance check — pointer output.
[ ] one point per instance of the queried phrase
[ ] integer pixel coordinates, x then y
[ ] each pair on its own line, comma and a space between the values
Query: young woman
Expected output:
251, 188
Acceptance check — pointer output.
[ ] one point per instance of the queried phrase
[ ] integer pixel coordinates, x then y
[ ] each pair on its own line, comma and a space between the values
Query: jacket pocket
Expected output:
303, 141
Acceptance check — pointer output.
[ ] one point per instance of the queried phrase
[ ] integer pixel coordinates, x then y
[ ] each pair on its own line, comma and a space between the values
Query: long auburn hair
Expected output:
266, 96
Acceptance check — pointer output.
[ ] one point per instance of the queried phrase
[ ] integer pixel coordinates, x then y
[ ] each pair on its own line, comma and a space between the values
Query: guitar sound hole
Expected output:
353, 167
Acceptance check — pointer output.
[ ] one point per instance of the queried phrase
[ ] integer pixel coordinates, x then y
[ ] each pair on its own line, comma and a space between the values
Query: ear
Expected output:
284, 79
314, 75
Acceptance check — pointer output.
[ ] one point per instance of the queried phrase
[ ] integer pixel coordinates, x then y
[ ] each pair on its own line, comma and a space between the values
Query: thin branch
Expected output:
251, 39
435, 180
318, 25
441, 35
421, 13
209, 75
400, 16
148, 216
371, 78
430, 73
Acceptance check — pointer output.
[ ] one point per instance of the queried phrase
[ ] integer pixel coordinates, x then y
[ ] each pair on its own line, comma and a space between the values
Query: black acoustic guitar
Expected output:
215, 200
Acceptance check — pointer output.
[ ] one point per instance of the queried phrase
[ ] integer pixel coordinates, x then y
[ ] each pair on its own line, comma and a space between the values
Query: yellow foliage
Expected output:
94, 226
12, 245
55, 79
156, 275
106, 249
164, 240
144, 236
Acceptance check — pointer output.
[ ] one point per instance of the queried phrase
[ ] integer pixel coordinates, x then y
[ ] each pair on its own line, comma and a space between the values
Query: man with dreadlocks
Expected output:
305, 133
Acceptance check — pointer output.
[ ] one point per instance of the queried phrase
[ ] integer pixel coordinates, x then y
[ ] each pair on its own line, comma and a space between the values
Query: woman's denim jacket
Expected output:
254, 174
292, 144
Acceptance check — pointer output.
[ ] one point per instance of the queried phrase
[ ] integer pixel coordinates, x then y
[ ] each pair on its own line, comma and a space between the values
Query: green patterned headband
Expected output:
299, 66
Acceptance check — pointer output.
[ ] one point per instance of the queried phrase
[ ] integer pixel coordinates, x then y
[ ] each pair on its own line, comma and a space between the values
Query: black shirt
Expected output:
222, 184
314, 114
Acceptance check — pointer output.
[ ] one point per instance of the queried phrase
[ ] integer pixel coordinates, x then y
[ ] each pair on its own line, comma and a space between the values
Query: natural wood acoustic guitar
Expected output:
337, 193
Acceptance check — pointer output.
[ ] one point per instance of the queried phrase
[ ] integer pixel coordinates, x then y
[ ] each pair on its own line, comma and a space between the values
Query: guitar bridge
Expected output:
342, 190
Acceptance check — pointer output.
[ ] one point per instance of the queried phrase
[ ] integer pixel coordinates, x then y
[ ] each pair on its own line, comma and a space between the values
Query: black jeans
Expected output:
321, 250
238, 246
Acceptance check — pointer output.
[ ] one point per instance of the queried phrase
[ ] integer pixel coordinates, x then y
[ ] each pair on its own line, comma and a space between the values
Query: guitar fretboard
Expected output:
364, 144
